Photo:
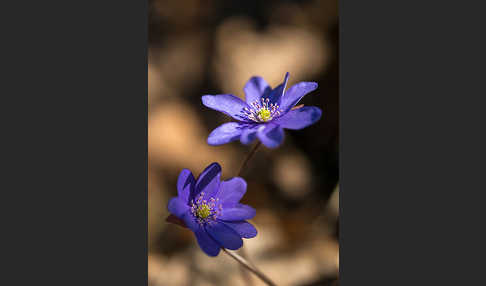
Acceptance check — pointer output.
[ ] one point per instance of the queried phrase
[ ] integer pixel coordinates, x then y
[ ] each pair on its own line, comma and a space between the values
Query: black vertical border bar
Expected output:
412, 144
74, 197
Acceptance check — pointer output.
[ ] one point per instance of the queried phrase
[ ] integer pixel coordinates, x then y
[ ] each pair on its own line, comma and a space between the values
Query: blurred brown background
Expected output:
213, 47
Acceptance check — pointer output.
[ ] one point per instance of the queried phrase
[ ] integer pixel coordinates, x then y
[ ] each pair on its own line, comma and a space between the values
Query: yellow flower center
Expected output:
203, 211
264, 114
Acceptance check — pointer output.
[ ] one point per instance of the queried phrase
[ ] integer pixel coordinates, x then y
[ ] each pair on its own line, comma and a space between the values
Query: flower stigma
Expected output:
264, 114
261, 111
203, 211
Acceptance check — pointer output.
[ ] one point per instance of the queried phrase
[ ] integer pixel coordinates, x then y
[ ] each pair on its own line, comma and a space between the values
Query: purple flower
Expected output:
211, 209
265, 113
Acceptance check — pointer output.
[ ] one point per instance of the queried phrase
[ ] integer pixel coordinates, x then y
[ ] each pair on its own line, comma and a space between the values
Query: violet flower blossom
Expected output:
211, 209
265, 113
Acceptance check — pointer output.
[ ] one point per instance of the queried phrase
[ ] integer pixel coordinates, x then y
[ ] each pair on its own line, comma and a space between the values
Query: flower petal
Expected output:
295, 93
175, 220
232, 190
224, 235
190, 221
243, 228
300, 118
225, 133
206, 242
177, 207
275, 95
248, 134
271, 135
237, 213
185, 184
209, 180
255, 88
227, 104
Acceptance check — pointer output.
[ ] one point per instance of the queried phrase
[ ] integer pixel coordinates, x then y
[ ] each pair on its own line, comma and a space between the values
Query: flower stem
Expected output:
250, 155
250, 267
245, 275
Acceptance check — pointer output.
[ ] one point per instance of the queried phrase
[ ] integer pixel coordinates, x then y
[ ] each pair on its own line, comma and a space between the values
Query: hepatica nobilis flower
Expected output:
265, 113
211, 209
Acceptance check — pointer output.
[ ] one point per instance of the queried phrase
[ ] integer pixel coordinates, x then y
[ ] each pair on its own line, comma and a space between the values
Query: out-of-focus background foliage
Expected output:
212, 47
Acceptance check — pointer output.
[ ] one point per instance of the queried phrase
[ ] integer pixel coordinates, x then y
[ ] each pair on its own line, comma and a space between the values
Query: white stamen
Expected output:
261, 113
